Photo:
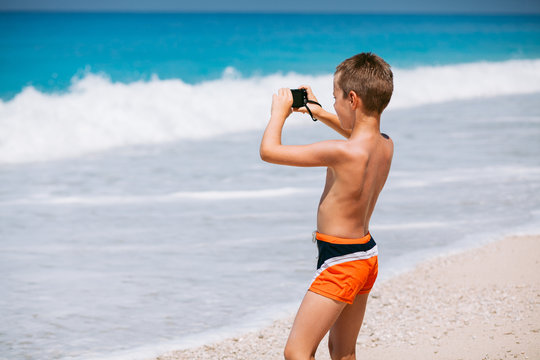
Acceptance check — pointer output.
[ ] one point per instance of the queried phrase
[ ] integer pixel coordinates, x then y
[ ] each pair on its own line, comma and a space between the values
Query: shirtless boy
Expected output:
357, 169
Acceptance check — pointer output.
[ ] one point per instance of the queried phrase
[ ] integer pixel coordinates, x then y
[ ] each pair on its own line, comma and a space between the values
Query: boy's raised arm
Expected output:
323, 153
322, 115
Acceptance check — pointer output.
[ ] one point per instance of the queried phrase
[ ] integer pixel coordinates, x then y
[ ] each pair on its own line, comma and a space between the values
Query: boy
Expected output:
357, 169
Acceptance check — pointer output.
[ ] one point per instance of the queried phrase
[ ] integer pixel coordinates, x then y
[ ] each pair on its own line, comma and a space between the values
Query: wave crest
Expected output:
97, 114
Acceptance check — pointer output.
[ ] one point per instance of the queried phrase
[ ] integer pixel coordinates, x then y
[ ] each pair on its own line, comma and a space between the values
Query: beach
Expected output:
137, 217
482, 303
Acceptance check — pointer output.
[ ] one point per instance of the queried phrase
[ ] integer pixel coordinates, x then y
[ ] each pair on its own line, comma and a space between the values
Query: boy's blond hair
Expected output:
370, 77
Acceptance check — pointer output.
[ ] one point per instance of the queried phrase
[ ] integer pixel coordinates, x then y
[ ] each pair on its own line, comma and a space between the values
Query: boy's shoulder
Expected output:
388, 142
365, 149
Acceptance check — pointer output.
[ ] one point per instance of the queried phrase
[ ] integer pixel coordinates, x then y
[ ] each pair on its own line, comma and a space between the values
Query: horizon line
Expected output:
263, 12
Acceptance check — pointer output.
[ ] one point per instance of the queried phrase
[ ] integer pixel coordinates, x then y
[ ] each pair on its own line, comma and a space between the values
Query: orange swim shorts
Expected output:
346, 267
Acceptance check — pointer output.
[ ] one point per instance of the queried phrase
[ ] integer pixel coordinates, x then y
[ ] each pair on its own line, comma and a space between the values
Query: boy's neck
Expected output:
366, 124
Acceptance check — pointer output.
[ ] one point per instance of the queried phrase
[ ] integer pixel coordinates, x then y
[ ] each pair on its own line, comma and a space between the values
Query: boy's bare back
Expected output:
353, 185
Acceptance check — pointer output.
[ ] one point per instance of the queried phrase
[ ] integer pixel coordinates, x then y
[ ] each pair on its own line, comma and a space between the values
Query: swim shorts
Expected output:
345, 268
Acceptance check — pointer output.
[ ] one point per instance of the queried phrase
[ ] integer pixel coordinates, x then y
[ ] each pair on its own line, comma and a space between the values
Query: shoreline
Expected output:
482, 303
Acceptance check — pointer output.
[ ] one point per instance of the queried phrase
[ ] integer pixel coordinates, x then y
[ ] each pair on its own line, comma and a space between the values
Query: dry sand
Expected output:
480, 304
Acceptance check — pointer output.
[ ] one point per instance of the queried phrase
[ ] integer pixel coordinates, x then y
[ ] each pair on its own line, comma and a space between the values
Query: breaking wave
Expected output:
97, 114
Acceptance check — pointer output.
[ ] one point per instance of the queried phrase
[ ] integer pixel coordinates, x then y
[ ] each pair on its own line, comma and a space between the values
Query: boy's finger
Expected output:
309, 91
287, 93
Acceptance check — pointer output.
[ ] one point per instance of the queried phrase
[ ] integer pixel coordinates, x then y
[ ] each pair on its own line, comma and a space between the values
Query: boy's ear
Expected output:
354, 100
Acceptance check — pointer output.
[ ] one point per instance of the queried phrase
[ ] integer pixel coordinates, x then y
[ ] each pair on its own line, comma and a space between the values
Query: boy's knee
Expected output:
289, 354
342, 356
339, 353
292, 352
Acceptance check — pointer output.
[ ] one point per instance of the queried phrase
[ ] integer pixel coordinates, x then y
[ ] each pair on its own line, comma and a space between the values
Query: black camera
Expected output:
299, 98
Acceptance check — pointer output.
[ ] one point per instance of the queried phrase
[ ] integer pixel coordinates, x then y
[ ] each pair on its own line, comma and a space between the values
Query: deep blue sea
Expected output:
136, 216
48, 50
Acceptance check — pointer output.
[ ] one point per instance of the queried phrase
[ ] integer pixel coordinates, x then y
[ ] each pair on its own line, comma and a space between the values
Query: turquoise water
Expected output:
47, 50
136, 216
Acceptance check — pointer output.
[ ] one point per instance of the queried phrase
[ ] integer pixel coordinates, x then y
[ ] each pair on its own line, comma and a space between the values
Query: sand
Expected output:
479, 304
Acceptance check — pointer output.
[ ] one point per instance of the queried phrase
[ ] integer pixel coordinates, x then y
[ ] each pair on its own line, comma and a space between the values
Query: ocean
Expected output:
136, 216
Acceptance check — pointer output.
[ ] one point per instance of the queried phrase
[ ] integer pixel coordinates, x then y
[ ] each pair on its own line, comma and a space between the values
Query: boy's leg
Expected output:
315, 317
344, 332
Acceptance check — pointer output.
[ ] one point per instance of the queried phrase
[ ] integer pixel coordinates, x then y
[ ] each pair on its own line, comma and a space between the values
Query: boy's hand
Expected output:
315, 109
282, 103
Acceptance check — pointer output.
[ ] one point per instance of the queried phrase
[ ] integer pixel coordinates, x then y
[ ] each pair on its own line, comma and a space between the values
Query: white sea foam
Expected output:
433, 84
97, 114
411, 225
145, 199
402, 179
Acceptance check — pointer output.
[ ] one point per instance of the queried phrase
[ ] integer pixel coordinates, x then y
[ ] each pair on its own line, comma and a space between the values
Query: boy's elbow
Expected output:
265, 154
